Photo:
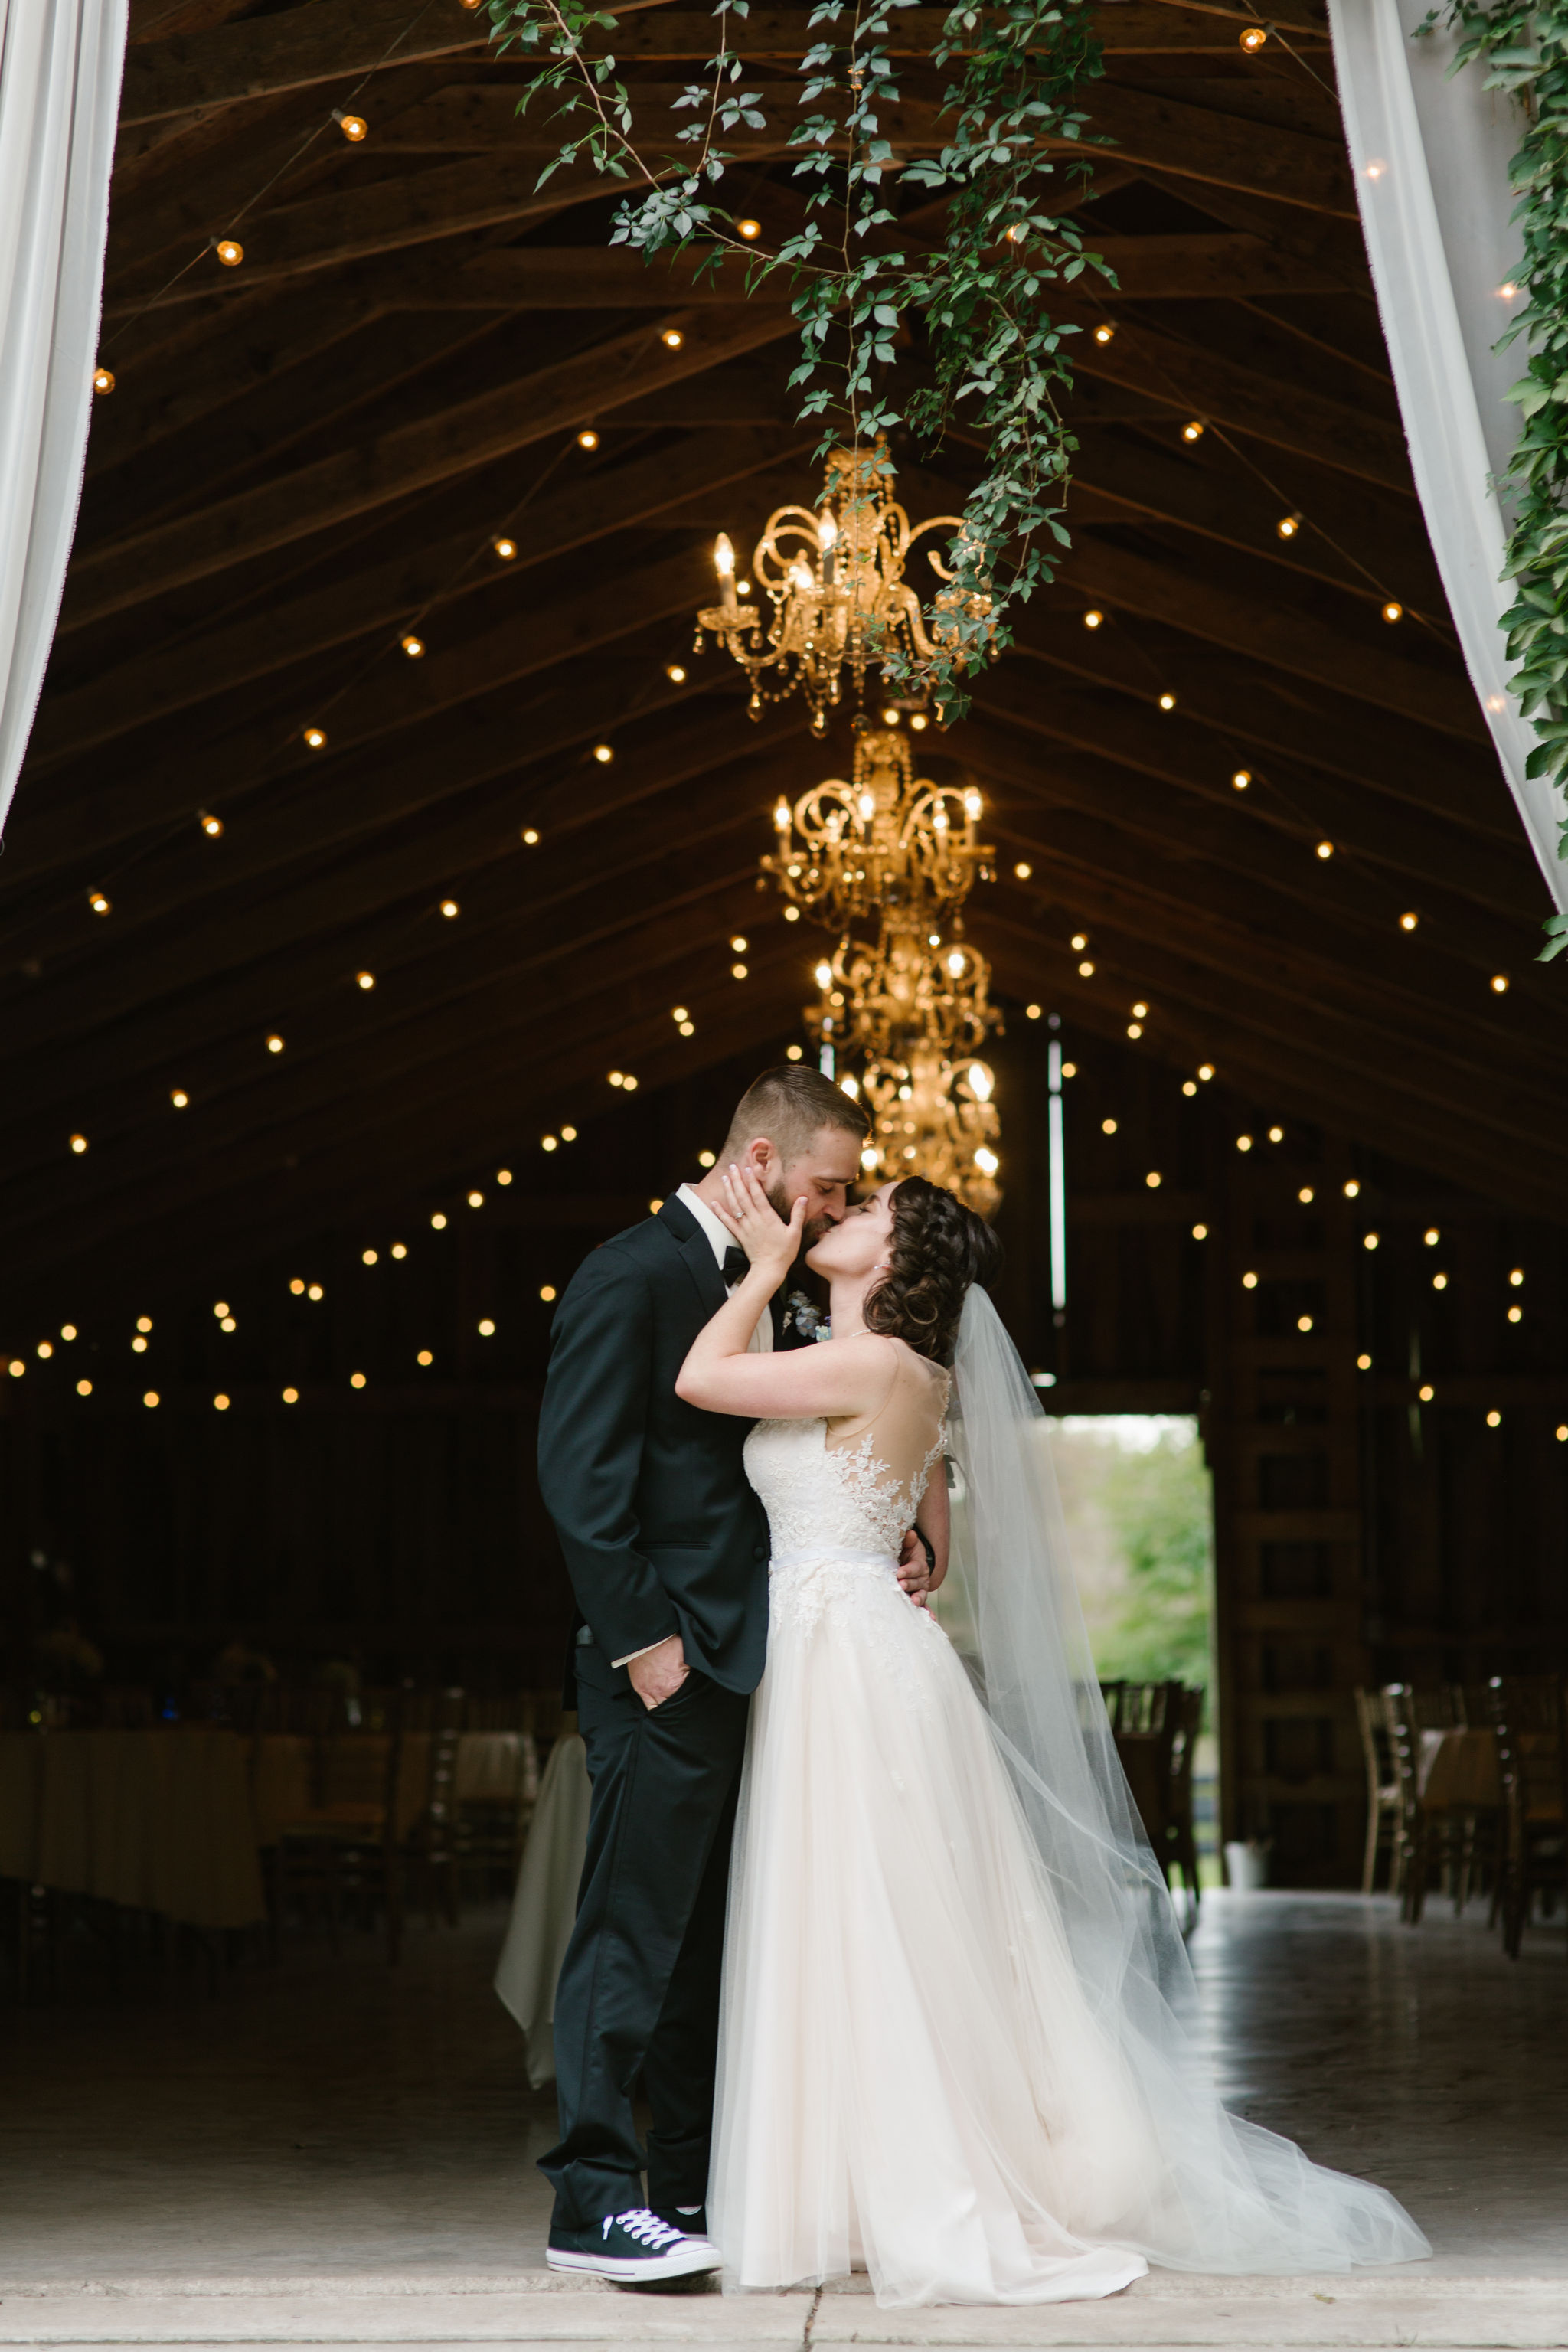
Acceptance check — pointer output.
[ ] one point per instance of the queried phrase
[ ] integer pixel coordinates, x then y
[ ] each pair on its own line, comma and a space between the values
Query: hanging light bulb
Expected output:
1193, 431
414, 647
230, 253
587, 438
506, 549
353, 126
211, 825
315, 739
102, 379
99, 901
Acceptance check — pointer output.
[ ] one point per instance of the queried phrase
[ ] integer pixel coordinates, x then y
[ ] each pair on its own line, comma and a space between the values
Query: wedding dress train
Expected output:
918, 2071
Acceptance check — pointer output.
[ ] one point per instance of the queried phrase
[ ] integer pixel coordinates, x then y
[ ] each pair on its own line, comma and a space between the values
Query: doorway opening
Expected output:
1138, 1500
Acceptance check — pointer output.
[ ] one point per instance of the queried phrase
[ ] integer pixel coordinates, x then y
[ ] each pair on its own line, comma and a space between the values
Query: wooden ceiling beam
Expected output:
1310, 1065
419, 455
588, 278
336, 39
333, 1100
609, 499
1286, 812
290, 954
1240, 900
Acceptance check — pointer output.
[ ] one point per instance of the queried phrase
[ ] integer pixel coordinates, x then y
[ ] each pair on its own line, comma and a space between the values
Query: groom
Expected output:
667, 1547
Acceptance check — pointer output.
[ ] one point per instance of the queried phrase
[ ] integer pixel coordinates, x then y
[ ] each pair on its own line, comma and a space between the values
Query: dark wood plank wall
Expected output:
309, 457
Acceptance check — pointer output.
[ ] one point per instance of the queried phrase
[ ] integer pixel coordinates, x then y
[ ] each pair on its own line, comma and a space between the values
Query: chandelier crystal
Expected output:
834, 577
887, 862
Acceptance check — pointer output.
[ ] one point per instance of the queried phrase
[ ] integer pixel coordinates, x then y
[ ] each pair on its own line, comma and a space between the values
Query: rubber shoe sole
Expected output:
689, 2260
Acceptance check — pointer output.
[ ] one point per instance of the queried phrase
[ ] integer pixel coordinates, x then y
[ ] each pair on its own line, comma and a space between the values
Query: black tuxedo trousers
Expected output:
661, 1535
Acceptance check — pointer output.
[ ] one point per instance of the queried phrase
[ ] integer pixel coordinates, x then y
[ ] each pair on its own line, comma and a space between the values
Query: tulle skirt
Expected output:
913, 2078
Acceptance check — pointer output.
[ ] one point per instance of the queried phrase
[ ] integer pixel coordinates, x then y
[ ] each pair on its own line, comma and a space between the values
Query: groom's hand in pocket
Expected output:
659, 1674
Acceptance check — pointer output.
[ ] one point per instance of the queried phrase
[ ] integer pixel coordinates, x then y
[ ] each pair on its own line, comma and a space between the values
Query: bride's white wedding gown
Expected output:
910, 2076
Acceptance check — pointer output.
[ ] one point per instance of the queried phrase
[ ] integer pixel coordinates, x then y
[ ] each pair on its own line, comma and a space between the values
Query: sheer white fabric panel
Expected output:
59, 99
1431, 160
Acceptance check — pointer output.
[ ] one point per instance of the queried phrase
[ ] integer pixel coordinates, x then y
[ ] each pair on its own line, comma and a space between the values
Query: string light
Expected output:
315, 1292
275, 1043
1108, 1127
78, 1144
547, 1292
1189, 1085
45, 1351
1193, 431
353, 126
1499, 983
1494, 1421
365, 979
149, 1399
438, 1223
531, 839
1023, 869
1364, 1363
503, 1175
290, 1396
1092, 619
211, 825
603, 753
1250, 1282
356, 1380
1200, 1232
220, 1403
414, 647
675, 674
1244, 1142
67, 1330
103, 380
475, 1200
1393, 611
1325, 848
547, 1142
1276, 1135
1252, 40
1439, 1282
1085, 970
400, 1249
424, 1357
1032, 1012
143, 1323
1135, 1029
1167, 703
370, 1256
1289, 525
1431, 1236
918, 721
1079, 941
792, 1054
84, 1388
506, 549
487, 1330
749, 229
672, 339
1242, 778
1104, 335
1303, 1322
1351, 1188
568, 1135
450, 908
1426, 1393
588, 439
1517, 1278
315, 739
1140, 1012
178, 1097
16, 1368
297, 1288
229, 1324
98, 901
739, 944
1516, 1314
1408, 922
1205, 1071
615, 1077
1152, 1179
1306, 1196
1369, 1241
228, 252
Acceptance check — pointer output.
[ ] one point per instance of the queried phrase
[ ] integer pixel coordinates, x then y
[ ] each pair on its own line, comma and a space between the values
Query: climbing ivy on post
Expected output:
1524, 50
953, 332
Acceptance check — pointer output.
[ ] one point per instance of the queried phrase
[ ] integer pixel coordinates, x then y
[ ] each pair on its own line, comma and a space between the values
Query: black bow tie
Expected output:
736, 1264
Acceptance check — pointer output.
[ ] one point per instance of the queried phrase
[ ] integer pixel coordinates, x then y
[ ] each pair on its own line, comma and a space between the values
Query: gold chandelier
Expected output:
834, 577
895, 855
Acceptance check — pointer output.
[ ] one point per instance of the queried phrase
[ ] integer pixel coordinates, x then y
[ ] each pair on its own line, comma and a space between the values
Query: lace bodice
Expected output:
825, 1499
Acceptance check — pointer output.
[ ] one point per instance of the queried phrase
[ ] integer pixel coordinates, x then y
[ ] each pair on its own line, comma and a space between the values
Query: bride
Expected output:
958, 2045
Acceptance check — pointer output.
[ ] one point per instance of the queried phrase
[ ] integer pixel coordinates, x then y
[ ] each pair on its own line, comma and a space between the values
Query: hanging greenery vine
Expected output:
1524, 48
972, 306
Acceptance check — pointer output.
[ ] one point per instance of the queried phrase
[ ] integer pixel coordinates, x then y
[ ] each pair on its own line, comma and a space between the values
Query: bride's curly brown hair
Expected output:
938, 1248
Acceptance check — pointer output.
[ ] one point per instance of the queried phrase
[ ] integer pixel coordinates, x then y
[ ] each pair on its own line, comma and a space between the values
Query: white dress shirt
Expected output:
760, 1342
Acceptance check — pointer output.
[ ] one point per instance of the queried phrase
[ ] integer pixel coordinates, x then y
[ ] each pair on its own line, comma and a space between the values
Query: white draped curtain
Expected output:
59, 98
1431, 158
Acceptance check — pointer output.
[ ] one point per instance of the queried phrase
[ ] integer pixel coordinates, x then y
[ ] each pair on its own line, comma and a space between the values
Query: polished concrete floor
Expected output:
333, 2124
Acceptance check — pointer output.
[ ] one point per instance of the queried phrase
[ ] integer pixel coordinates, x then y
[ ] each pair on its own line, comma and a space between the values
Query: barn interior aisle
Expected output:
397, 898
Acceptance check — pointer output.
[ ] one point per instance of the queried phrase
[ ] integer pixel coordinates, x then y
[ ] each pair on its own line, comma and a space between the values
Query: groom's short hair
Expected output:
789, 1105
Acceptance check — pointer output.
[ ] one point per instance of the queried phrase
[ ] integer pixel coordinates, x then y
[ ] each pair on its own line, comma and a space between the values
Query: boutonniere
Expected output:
809, 1320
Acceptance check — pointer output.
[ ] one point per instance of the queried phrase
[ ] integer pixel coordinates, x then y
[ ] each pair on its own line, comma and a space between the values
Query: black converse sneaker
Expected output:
632, 2248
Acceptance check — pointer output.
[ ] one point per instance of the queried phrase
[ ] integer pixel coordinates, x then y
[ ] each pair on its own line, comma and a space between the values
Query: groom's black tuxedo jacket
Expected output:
661, 1533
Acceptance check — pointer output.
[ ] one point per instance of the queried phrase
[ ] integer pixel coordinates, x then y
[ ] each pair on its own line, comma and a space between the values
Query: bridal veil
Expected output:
1216, 2193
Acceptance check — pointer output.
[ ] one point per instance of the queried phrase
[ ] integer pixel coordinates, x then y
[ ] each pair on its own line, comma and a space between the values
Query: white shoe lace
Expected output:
645, 2227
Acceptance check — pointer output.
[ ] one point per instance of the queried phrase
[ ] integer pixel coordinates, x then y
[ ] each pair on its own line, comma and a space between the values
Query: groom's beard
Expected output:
814, 1228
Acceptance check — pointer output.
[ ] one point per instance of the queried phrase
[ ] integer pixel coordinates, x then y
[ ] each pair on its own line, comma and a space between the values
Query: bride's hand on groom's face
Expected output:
747, 1212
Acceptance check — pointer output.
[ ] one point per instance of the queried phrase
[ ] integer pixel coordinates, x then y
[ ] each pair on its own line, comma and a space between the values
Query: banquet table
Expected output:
1458, 1769
172, 1821
159, 1821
